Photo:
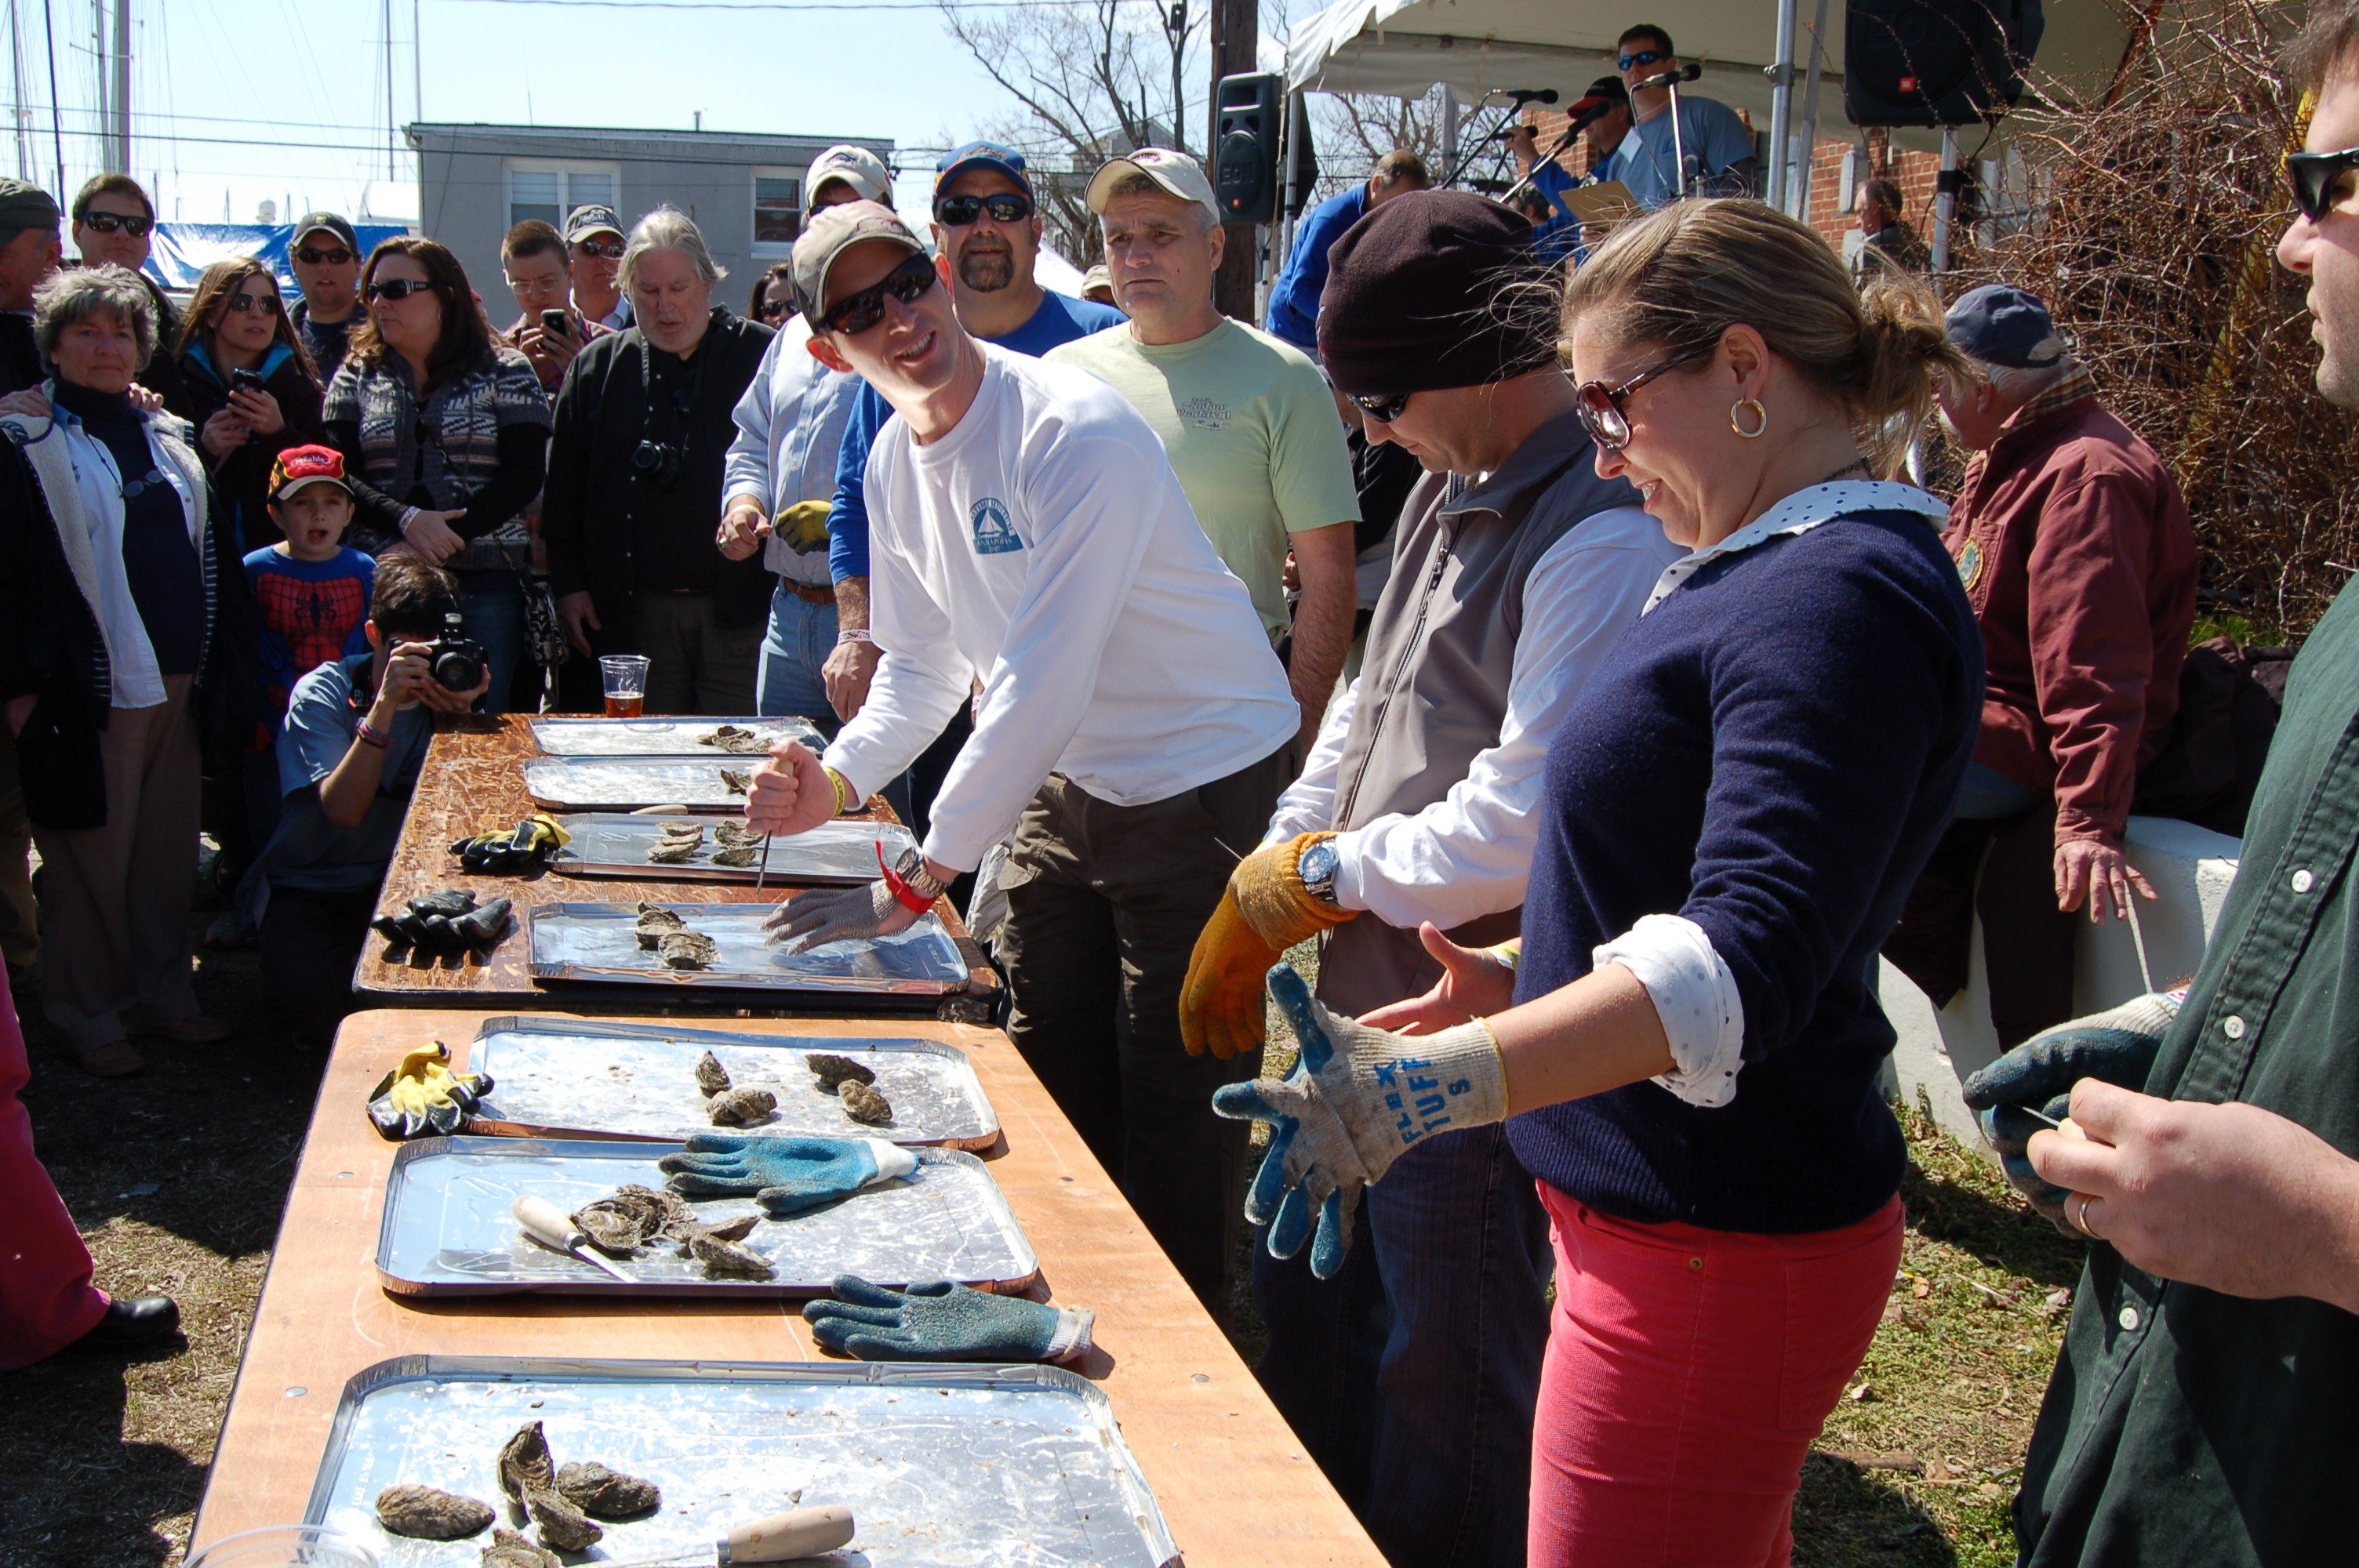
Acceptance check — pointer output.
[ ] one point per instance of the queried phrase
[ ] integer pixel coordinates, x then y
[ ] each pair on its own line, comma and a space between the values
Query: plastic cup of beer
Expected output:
626, 684
285, 1546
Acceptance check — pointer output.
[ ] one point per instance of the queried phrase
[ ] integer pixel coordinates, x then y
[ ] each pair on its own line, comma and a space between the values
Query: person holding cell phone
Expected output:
551, 332
253, 390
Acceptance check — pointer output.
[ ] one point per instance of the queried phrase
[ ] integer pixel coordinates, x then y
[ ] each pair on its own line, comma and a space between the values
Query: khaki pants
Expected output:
117, 896
20, 933
694, 664
1105, 904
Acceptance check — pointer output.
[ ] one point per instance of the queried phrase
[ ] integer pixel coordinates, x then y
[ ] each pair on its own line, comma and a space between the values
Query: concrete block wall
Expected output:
2191, 870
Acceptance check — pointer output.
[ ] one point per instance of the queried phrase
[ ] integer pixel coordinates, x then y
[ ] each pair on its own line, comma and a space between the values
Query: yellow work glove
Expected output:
423, 1095
1265, 910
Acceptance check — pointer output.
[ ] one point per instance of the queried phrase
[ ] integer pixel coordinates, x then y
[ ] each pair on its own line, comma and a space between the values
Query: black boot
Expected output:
132, 1320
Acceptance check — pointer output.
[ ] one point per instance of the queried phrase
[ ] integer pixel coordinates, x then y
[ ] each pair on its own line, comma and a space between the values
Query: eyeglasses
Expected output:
958, 211
856, 313
312, 257
108, 223
769, 308
250, 303
397, 288
1599, 405
1383, 407
611, 249
2314, 176
1644, 57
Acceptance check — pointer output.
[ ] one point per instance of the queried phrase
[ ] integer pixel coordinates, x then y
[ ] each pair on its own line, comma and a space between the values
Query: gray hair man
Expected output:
780, 480
635, 457
1247, 420
1516, 569
1026, 527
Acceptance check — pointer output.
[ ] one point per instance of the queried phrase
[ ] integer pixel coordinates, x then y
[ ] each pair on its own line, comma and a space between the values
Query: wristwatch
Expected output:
1316, 867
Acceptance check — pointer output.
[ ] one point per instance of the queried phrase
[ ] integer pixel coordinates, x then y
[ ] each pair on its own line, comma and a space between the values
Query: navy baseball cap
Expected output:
992, 155
2001, 325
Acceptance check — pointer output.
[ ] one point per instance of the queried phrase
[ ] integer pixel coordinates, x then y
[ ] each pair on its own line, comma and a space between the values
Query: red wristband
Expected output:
911, 899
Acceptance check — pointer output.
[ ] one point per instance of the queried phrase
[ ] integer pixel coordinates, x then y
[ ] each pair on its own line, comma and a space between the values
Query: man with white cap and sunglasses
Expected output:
1025, 529
1247, 420
780, 476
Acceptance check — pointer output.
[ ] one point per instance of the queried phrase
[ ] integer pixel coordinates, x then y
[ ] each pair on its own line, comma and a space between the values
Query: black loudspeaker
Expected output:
1304, 155
1936, 62
1245, 146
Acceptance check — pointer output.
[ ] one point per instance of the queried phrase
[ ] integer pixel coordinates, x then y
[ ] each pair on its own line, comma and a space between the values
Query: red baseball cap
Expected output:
299, 466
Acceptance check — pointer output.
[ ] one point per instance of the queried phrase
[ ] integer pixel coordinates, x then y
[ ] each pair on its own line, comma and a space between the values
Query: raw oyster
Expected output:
734, 834
607, 1494
562, 1525
743, 855
735, 781
833, 1070
613, 1228
711, 1076
721, 1257
730, 738
673, 851
741, 1108
655, 922
685, 949
525, 1464
509, 1550
428, 1513
864, 1103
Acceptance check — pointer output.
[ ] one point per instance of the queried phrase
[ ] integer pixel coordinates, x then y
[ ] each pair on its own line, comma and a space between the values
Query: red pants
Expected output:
1688, 1373
46, 1299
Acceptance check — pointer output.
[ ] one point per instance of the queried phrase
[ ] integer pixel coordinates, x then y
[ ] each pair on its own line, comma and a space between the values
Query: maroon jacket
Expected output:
2079, 562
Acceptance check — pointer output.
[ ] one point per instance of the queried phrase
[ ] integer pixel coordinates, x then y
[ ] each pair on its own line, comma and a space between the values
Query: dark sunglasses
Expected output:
770, 308
1599, 405
397, 288
611, 249
856, 313
1383, 407
1644, 57
312, 257
108, 223
2313, 177
248, 304
958, 211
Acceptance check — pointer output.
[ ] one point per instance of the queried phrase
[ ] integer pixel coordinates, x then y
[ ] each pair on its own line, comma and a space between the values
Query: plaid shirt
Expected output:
444, 453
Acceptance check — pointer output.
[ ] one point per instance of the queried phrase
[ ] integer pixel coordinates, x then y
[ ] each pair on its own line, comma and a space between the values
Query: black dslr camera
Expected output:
456, 660
659, 462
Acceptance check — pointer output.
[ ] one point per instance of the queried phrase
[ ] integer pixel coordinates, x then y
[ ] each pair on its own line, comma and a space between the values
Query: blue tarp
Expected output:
181, 252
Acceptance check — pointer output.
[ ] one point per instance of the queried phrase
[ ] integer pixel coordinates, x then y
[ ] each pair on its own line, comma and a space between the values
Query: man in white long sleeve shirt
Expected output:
1411, 1375
1025, 529
780, 475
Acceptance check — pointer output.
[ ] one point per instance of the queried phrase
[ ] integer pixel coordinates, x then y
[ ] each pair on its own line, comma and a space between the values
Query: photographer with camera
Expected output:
635, 461
349, 754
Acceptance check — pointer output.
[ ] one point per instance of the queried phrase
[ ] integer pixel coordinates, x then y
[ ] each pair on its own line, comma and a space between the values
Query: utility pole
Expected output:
22, 115
1236, 39
1175, 28
122, 104
392, 131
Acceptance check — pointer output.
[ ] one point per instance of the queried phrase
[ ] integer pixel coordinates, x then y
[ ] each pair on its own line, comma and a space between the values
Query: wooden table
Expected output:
1235, 1485
474, 782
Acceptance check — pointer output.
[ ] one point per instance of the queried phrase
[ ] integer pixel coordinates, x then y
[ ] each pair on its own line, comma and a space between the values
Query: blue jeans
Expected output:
492, 606
801, 637
1989, 796
1411, 1376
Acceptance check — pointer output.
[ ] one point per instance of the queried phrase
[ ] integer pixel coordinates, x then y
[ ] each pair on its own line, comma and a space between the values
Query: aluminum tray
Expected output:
608, 844
626, 783
599, 942
559, 1079
943, 1467
448, 1228
656, 737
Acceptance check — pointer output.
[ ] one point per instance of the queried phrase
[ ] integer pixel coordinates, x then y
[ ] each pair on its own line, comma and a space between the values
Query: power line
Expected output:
786, 4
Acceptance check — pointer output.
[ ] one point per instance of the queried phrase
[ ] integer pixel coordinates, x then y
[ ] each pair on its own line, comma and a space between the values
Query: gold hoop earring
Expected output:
1755, 433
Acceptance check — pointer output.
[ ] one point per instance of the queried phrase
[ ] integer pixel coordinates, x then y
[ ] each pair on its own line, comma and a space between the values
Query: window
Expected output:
778, 211
540, 189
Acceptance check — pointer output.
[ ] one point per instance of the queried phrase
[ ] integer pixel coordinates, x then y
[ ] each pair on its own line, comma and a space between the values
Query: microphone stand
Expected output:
1670, 79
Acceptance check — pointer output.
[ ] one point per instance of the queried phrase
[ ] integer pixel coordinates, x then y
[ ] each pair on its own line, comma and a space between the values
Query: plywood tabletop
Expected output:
1234, 1484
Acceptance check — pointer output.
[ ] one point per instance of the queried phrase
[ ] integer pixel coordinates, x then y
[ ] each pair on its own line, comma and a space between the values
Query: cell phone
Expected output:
245, 381
554, 323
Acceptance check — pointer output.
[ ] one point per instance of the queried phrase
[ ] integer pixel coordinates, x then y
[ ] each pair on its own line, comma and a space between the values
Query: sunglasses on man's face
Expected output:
108, 223
248, 304
856, 313
1644, 57
2314, 176
611, 249
958, 211
1383, 407
310, 257
1602, 407
397, 288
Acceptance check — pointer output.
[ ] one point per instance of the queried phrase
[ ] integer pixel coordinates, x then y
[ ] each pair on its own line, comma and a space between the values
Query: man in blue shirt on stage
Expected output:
1294, 303
1720, 160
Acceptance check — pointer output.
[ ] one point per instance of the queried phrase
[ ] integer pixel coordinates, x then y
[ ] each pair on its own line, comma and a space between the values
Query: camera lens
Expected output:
456, 670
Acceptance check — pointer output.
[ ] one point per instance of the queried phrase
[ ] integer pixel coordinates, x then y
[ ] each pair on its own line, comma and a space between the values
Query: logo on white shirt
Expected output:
994, 533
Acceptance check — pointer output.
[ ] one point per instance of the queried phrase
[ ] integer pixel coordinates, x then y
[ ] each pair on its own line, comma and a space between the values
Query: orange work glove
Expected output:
1265, 910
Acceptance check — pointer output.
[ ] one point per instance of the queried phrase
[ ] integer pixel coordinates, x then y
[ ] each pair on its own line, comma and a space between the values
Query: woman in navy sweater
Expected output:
1734, 811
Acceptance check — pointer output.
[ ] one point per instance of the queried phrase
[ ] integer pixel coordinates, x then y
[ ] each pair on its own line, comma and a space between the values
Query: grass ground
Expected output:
178, 1176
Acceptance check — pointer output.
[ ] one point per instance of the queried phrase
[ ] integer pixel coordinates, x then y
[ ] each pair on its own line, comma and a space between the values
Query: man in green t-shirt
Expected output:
1249, 423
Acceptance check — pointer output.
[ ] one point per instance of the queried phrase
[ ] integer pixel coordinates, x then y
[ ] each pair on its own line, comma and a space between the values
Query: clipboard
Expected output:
1605, 204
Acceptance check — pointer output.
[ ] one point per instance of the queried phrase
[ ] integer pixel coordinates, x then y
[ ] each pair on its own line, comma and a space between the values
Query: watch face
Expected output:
1317, 867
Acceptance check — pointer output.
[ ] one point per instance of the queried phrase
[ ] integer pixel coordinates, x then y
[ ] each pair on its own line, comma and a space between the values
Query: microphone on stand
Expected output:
1688, 72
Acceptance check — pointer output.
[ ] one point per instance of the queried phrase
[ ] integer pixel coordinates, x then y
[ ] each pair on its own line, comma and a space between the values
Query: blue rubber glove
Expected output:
938, 1321
785, 1175
2116, 1046
1341, 1118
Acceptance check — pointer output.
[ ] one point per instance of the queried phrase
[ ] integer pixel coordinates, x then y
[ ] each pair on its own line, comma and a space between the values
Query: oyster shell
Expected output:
736, 782
711, 1076
833, 1070
721, 1257
509, 1550
743, 855
655, 923
525, 1464
673, 851
741, 1108
607, 1494
428, 1513
733, 834
562, 1525
865, 1105
685, 949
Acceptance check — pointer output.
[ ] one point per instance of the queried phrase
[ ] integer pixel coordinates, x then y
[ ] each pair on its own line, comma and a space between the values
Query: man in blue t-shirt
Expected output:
1294, 302
987, 235
1721, 159
349, 753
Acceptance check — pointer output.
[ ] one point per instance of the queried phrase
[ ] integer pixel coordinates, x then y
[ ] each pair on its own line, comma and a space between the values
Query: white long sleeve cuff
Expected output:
1695, 997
